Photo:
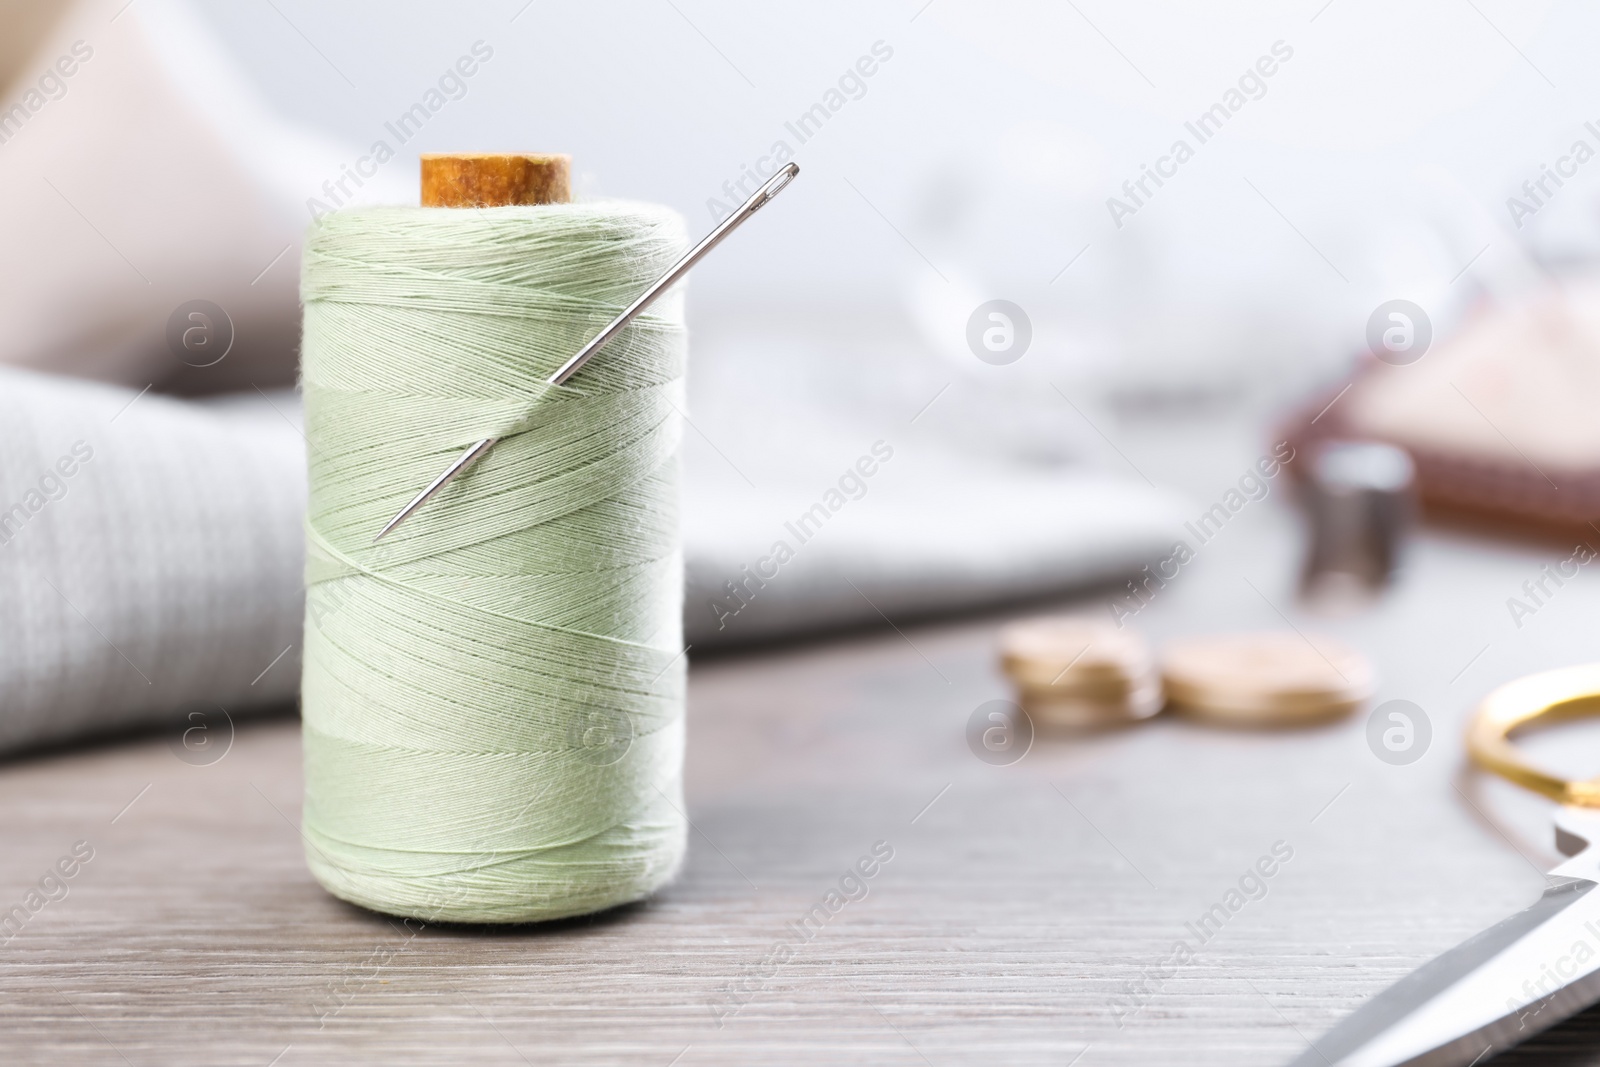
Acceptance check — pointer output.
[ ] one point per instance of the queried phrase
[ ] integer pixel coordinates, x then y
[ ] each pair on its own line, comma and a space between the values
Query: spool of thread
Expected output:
493, 695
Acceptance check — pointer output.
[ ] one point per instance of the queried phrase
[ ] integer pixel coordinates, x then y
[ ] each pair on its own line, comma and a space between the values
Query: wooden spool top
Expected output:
485, 179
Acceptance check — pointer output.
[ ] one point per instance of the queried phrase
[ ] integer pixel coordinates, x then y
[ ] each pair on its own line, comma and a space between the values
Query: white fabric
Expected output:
150, 176
993, 490
928, 535
166, 577
162, 574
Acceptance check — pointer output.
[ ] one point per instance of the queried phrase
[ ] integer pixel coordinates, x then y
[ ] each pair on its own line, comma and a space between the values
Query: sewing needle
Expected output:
757, 201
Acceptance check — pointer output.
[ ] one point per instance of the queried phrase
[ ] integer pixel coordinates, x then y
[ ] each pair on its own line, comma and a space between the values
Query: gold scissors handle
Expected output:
1547, 697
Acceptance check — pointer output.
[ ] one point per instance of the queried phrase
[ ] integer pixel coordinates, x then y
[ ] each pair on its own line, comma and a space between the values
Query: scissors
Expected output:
1527, 972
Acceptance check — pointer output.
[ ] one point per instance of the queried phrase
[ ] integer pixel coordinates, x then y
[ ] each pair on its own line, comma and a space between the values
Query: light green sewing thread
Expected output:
493, 695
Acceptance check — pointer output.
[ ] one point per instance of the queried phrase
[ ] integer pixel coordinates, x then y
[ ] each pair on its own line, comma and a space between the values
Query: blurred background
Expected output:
1199, 224
976, 162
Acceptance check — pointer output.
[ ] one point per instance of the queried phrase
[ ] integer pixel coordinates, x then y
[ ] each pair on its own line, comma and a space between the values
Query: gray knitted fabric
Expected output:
150, 558
151, 552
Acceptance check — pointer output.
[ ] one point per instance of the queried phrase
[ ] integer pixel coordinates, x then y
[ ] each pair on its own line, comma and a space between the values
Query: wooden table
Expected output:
1021, 902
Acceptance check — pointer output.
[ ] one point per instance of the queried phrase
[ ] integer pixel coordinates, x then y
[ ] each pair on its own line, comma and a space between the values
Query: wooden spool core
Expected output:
495, 180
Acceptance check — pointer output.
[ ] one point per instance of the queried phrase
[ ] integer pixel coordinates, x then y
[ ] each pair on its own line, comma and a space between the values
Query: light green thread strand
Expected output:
493, 695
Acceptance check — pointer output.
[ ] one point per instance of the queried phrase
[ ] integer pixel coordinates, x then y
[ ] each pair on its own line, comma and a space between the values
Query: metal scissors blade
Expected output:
477, 451
1494, 990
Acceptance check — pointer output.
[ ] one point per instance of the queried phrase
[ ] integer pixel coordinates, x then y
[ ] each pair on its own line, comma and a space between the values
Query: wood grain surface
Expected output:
1020, 904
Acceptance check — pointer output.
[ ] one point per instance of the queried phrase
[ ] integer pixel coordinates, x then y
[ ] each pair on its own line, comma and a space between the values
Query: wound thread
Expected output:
493, 695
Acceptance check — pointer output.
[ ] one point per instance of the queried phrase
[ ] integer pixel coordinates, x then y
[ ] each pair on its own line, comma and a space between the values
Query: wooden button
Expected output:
1077, 672
1070, 650
1081, 711
1265, 679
